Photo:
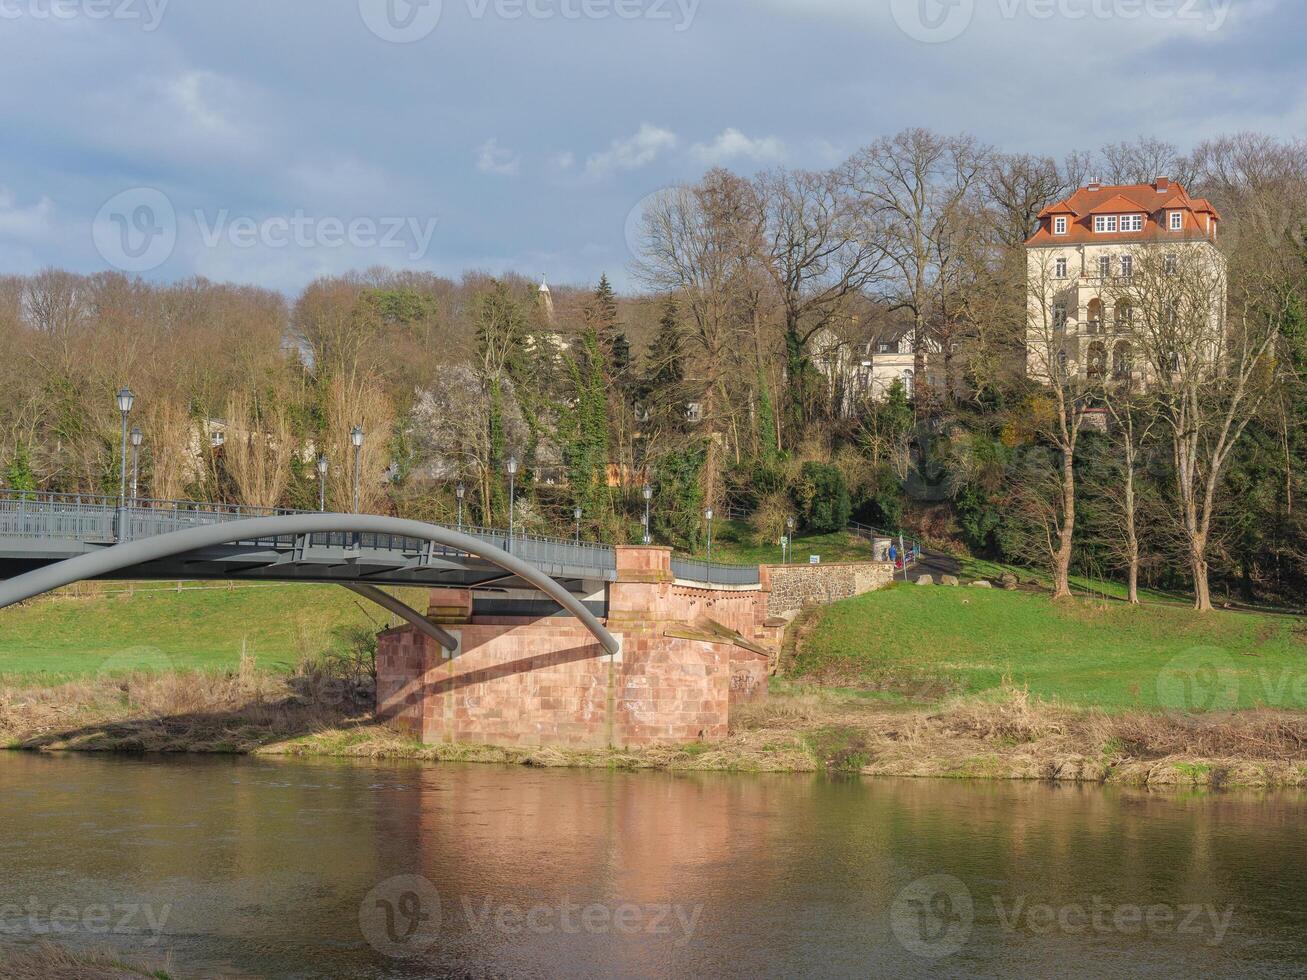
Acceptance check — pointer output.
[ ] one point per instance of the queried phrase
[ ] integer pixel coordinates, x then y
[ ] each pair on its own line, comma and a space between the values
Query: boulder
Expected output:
926, 580
1009, 581
950, 580
982, 584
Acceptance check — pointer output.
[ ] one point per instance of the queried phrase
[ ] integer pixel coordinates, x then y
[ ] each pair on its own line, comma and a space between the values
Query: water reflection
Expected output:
261, 867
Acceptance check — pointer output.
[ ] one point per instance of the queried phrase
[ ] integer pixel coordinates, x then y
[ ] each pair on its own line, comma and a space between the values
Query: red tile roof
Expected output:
1127, 199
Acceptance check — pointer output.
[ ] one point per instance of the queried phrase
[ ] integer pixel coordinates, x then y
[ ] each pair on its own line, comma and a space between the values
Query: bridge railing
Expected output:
713, 573
97, 519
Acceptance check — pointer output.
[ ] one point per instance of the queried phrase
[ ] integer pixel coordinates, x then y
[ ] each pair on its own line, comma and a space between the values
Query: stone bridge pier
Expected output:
690, 653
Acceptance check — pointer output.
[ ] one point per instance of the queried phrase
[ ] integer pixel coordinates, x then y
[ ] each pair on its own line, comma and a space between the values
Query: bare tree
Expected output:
1208, 373
1054, 361
258, 449
816, 257
911, 188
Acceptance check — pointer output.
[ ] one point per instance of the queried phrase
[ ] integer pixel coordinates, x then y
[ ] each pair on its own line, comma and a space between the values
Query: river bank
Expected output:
1012, 736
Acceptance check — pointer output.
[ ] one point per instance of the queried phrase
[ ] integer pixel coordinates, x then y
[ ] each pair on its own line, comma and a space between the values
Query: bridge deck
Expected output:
40, 529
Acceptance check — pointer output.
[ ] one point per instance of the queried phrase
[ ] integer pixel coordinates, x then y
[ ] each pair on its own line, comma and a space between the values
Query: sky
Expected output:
271, 142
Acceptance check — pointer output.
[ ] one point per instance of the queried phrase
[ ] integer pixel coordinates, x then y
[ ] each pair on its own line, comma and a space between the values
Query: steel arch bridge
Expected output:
48, 541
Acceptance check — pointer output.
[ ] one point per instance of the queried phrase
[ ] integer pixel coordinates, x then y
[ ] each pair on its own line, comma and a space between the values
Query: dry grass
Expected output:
236, 711
1013, 736
50, 962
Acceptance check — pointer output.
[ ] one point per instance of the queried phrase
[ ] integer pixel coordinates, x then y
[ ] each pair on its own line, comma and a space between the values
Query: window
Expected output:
884, 347
1104, 267
1125, 315
1105, 223
1059, 226
1177, 221
1059, 268
1132, 222
1127, 266
1059, 316
1172, 264
907, 382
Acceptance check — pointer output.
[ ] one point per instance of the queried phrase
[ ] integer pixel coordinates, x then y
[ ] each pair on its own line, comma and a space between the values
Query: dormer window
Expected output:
1059, 225
1132, 222
1177, 221
1105, 223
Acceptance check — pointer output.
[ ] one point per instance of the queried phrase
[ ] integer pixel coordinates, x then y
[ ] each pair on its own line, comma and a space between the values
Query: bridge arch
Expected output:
117, 557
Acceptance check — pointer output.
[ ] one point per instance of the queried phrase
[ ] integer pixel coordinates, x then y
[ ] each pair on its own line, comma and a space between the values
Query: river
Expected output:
246, 867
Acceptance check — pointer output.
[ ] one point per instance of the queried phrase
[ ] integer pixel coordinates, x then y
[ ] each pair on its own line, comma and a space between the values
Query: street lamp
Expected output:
356, 437
512, 495
708, 515
576, 515
789, 540
460, 492
137, 439
322, 483
125, 401
648, 496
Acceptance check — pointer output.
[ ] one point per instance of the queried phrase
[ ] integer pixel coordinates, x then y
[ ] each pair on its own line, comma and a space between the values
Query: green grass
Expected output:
1106, 654
734, 543
973, 568
157, 629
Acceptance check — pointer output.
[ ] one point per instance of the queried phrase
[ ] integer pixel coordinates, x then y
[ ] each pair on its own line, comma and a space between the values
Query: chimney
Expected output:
1095, 186
1163, 184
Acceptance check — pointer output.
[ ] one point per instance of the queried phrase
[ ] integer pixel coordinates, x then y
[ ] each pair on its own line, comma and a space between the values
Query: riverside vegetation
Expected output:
911, 681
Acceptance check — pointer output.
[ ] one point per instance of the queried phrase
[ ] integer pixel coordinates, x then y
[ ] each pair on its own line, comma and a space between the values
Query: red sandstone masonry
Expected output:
548, 682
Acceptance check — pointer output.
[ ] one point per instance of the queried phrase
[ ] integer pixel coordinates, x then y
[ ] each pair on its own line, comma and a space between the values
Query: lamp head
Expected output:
356, 437
322, 465
125, 400
137, 437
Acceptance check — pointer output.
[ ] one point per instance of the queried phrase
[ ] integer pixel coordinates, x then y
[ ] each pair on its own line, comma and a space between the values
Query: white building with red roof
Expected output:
1084, 271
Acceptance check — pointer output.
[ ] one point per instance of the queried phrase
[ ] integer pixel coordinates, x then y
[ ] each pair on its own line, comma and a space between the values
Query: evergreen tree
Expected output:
604, 318
662, 387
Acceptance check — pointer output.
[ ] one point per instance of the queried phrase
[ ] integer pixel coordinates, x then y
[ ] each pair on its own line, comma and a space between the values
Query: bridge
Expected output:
51, 540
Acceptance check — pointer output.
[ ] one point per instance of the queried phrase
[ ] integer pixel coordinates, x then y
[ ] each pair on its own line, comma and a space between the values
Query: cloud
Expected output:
25, 224
734, 145
494, 159
633, 153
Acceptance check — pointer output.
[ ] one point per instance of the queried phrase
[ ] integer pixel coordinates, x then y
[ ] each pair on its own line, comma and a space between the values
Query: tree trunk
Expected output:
1133, 595
1202, 591
1066, 535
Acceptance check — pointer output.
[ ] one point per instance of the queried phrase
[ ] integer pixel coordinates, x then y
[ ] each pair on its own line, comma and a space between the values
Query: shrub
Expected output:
821, 498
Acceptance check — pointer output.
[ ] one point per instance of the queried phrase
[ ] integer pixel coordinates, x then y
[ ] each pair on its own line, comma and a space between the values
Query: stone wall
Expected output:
689, 654
791, 587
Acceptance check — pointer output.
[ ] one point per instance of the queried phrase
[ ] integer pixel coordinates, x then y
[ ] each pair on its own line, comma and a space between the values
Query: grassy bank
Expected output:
51, 962
118, 629
734, 543
910, 681
916, 643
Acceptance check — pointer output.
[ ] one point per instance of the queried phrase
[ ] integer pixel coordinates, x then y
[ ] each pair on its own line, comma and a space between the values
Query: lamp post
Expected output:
322, 483
512, 495
576, 515
708, 515
789, 540
356, 437
137, 439
460, 492
125, 401
648, 496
